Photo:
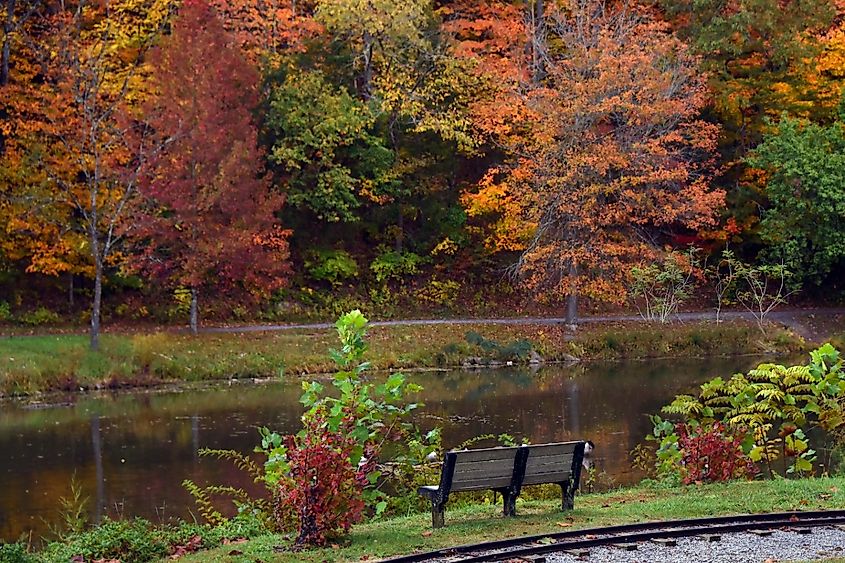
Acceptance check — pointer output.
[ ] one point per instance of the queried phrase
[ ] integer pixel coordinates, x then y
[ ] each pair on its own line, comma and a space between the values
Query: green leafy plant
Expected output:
330, 471
40, 316
658, 289
395, 266
773, 407
441, 293
5, 311
516, 350
73, 516
332, 266
758, 289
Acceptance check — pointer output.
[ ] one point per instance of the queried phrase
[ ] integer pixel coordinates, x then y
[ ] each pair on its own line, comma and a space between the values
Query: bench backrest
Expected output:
487, 468
553, 463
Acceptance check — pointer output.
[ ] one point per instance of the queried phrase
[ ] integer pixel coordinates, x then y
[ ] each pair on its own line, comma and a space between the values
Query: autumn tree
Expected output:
617, 155
206, 221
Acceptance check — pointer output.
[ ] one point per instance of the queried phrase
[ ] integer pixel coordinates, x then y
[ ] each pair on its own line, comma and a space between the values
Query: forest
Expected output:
165, 160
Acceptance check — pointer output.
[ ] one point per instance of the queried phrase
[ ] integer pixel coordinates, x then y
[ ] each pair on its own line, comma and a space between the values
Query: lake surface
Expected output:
131, 451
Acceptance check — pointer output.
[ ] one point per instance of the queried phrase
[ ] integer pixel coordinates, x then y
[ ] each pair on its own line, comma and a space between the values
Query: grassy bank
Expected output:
483, 522
36, 364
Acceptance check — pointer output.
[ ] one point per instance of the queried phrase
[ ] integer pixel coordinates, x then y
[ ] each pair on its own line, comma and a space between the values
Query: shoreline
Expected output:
43, 365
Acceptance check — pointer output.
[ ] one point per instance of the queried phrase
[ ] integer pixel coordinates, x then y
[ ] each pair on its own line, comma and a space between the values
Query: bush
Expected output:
328, 473
5, 312
15, 553
40, 316
773, 407
659, 289
133, 541
394, 266
333, 266
710, 454
439, 293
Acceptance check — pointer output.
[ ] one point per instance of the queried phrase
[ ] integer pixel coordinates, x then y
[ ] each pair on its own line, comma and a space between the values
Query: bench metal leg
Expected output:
509, 508
438, 518
567, 495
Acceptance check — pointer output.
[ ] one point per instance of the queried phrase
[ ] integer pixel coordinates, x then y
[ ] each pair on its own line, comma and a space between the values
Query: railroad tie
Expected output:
665, 542
710, 537
625, 546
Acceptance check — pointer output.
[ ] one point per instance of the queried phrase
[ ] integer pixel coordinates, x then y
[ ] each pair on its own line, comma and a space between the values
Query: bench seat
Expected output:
507, 470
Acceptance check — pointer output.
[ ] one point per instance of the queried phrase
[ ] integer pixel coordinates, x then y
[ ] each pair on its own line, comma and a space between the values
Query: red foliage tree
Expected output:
207, 216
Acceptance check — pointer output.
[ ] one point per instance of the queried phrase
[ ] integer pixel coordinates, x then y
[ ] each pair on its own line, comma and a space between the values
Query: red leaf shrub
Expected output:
710, 454
323, 494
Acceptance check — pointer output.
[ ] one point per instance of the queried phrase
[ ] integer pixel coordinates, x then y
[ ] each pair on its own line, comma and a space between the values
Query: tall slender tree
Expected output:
207, 217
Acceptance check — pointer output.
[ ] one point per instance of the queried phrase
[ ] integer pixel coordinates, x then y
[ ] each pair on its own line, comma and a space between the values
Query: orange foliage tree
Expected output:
615, 156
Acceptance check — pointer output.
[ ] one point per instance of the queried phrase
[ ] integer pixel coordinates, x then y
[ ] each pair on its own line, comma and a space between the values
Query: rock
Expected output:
569, 359
534, 358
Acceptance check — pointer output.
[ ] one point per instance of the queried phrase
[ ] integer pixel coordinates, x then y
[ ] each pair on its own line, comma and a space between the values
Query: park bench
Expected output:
507, 470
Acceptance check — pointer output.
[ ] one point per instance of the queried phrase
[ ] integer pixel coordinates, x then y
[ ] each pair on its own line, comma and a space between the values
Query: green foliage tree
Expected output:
805, 220
325, 147
757, 53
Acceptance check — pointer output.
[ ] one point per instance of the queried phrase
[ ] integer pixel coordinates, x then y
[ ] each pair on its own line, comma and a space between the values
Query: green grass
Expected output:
477, 523
36, 364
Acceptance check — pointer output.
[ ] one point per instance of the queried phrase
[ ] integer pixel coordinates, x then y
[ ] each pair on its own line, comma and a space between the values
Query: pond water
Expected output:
131, 451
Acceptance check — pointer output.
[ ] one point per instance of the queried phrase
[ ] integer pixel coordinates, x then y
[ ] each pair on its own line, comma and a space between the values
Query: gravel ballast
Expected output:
821, 543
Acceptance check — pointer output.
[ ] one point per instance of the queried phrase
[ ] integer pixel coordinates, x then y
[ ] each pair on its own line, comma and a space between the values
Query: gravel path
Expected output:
822, 543
796, 319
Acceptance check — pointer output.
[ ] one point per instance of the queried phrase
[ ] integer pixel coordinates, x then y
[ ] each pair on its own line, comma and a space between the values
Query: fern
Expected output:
203, 502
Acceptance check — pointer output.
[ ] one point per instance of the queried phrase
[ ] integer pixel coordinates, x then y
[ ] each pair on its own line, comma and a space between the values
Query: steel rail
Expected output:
627, 533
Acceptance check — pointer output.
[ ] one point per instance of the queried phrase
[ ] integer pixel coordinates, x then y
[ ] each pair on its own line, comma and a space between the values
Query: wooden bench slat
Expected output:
485, 454
478, 484
547, 478
500, 465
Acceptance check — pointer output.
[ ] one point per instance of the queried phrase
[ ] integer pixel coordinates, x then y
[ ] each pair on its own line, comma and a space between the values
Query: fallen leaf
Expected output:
564, 524
605, 505
834, 489
236, 552
227, 541
803, 502
427, 533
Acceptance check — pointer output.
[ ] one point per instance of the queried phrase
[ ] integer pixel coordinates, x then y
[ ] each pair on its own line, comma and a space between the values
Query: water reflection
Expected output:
130, 452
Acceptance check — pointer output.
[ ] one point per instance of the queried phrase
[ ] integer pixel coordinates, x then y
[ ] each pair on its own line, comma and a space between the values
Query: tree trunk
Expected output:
572, 297
400, 232
70, 291
367, 74
538, 39
7, 42
95, 307
194, 312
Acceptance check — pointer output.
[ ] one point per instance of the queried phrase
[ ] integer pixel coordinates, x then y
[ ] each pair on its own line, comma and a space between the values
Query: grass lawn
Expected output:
477, 523
36, 364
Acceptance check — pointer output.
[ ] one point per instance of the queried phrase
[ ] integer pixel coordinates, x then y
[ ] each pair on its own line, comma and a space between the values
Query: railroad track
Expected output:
575, 541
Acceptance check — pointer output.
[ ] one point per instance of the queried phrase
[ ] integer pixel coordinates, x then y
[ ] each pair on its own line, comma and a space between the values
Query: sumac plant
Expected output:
329, 473
774, 407
711, 454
